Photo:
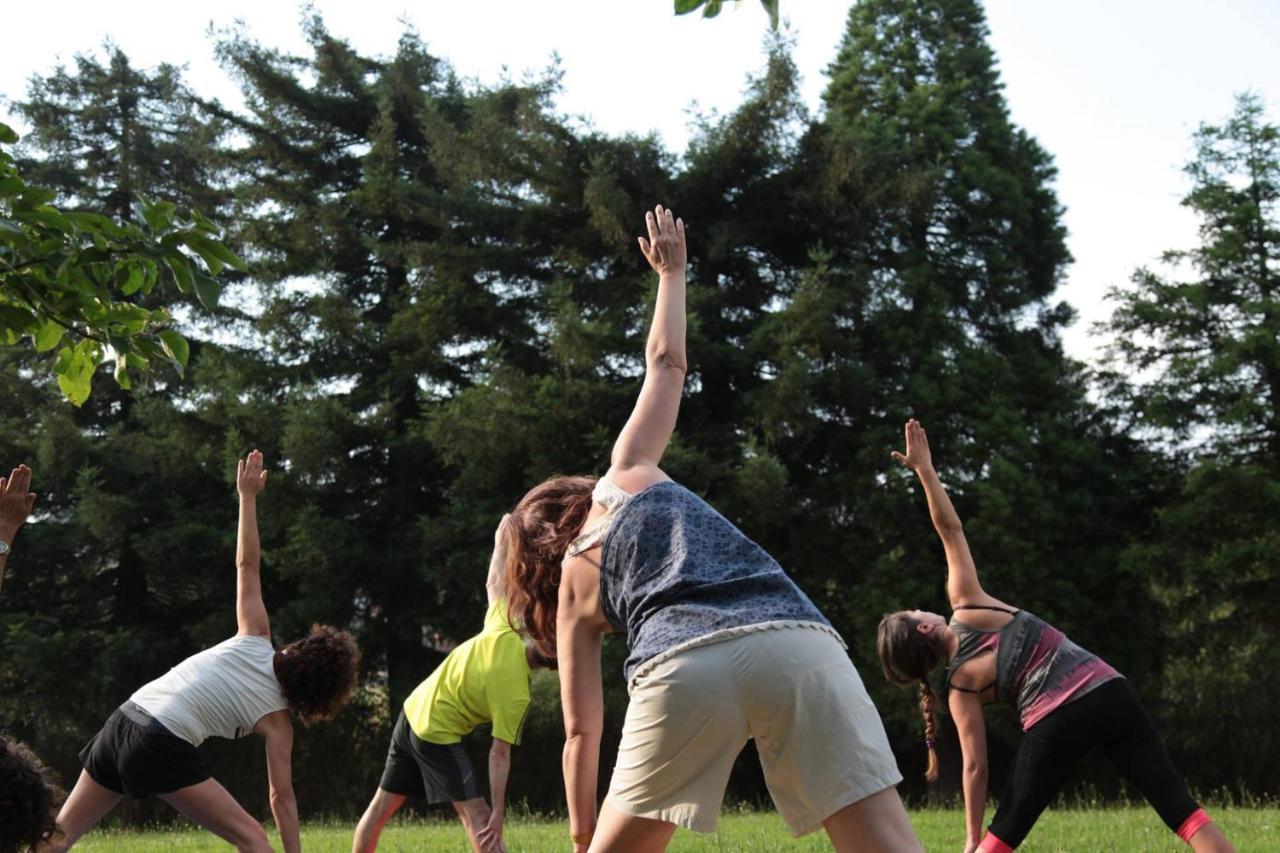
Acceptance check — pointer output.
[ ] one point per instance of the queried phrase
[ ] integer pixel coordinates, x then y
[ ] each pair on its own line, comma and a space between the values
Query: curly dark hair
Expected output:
318, 673
29, 799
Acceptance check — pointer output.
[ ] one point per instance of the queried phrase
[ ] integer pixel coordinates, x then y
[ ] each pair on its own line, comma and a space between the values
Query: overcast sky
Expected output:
1112, 88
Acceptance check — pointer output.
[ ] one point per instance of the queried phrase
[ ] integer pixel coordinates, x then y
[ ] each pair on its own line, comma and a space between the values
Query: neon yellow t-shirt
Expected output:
484, 679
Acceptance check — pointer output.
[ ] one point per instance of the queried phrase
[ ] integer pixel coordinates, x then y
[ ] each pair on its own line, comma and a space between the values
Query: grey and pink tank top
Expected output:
1037, 668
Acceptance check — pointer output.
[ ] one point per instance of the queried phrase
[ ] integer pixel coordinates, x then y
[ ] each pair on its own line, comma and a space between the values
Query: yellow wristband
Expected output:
582, 837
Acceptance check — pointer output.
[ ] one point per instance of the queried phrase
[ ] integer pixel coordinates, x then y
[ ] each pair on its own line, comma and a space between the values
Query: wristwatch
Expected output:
4, 547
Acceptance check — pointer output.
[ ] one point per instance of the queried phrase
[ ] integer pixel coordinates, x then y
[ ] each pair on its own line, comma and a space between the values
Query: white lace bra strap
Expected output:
610, 496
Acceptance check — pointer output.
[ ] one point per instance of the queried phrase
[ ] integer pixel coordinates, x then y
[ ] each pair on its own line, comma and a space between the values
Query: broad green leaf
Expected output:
207, 290
7, 227
158, 215
712, 8
181, 270
47, 336
176, 347
223, 254
10, 186
7, 134
211, 260
75, 377
684, 7
134, 278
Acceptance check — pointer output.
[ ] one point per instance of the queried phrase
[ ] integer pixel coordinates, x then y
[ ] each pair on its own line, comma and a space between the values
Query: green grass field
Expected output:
1253, 830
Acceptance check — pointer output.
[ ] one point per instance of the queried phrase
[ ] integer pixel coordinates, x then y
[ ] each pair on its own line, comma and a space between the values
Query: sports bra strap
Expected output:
986, 607
968, 689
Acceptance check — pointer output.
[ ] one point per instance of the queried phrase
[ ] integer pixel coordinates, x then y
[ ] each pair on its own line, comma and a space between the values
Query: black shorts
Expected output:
135, 755
436, 772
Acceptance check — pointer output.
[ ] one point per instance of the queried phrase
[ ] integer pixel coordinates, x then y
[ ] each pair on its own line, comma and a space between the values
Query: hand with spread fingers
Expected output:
250, 477
16, 501
664, 250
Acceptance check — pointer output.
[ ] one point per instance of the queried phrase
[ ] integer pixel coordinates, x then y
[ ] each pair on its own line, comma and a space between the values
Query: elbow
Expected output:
579, 732
283, 799
975, 773
950, 528
660, 358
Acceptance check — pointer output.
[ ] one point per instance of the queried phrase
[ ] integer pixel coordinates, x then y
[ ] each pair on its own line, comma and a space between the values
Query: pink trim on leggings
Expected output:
1193, 824
991, 844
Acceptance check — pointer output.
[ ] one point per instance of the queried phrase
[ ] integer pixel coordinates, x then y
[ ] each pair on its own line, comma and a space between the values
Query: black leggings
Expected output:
1110, 717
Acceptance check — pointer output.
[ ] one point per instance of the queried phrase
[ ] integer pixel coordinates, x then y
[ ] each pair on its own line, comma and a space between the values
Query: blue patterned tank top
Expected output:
674, 571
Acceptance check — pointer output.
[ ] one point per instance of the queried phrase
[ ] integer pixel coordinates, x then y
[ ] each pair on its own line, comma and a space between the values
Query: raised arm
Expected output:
251, 613
494, 585
644, 438
579, 638
16, 501
962, 575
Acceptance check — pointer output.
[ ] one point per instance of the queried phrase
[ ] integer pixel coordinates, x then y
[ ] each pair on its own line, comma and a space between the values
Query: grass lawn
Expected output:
1253, 830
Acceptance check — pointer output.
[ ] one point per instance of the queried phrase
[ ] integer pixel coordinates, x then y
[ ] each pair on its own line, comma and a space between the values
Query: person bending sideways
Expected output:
29, 794
485, 679
151, 744
723, 646
1070, 701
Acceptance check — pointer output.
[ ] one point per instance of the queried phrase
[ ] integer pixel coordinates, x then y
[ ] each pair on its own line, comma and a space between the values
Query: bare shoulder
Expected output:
580, 589
633, 479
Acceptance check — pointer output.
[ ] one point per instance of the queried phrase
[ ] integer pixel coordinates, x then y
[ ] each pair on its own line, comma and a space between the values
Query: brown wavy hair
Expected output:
542, 525
318, 673
29, 799
907, 657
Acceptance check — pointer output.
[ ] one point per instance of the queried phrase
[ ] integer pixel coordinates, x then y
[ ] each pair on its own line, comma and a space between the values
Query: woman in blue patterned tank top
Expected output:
723, 646
1069, 700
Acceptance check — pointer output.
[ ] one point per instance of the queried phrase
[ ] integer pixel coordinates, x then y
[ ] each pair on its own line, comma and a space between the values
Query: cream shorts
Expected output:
793, 689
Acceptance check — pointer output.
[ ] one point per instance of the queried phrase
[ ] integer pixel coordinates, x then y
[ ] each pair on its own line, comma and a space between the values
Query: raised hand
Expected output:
917, 457
16, 501
250, 478
664, 250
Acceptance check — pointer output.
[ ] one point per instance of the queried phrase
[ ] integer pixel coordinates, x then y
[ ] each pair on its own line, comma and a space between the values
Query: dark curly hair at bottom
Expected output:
29, 799
318, 673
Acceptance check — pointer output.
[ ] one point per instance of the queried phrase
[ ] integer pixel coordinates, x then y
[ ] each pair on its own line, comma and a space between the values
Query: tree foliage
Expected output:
446, 305
75, 282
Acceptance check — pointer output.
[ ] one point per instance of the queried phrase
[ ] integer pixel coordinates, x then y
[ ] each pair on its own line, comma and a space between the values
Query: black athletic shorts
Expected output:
437, 772
135, 755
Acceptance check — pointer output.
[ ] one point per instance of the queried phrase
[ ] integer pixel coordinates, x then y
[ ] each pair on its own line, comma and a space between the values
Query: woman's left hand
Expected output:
970, 847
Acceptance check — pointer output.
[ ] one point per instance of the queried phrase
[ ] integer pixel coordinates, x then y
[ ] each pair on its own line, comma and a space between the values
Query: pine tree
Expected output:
1196, 358
935, 249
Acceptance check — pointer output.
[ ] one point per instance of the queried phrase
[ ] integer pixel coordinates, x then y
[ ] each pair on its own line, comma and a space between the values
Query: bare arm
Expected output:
16, 502
278, 732
490, 836
251, 613
647, 432
579, 639
966, 710
962, 575
494, 585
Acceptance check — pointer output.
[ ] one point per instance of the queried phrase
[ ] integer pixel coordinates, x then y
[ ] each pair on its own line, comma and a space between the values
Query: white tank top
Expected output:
220, 692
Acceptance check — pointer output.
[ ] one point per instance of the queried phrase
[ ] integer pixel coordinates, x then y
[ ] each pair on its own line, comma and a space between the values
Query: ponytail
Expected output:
930, 729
